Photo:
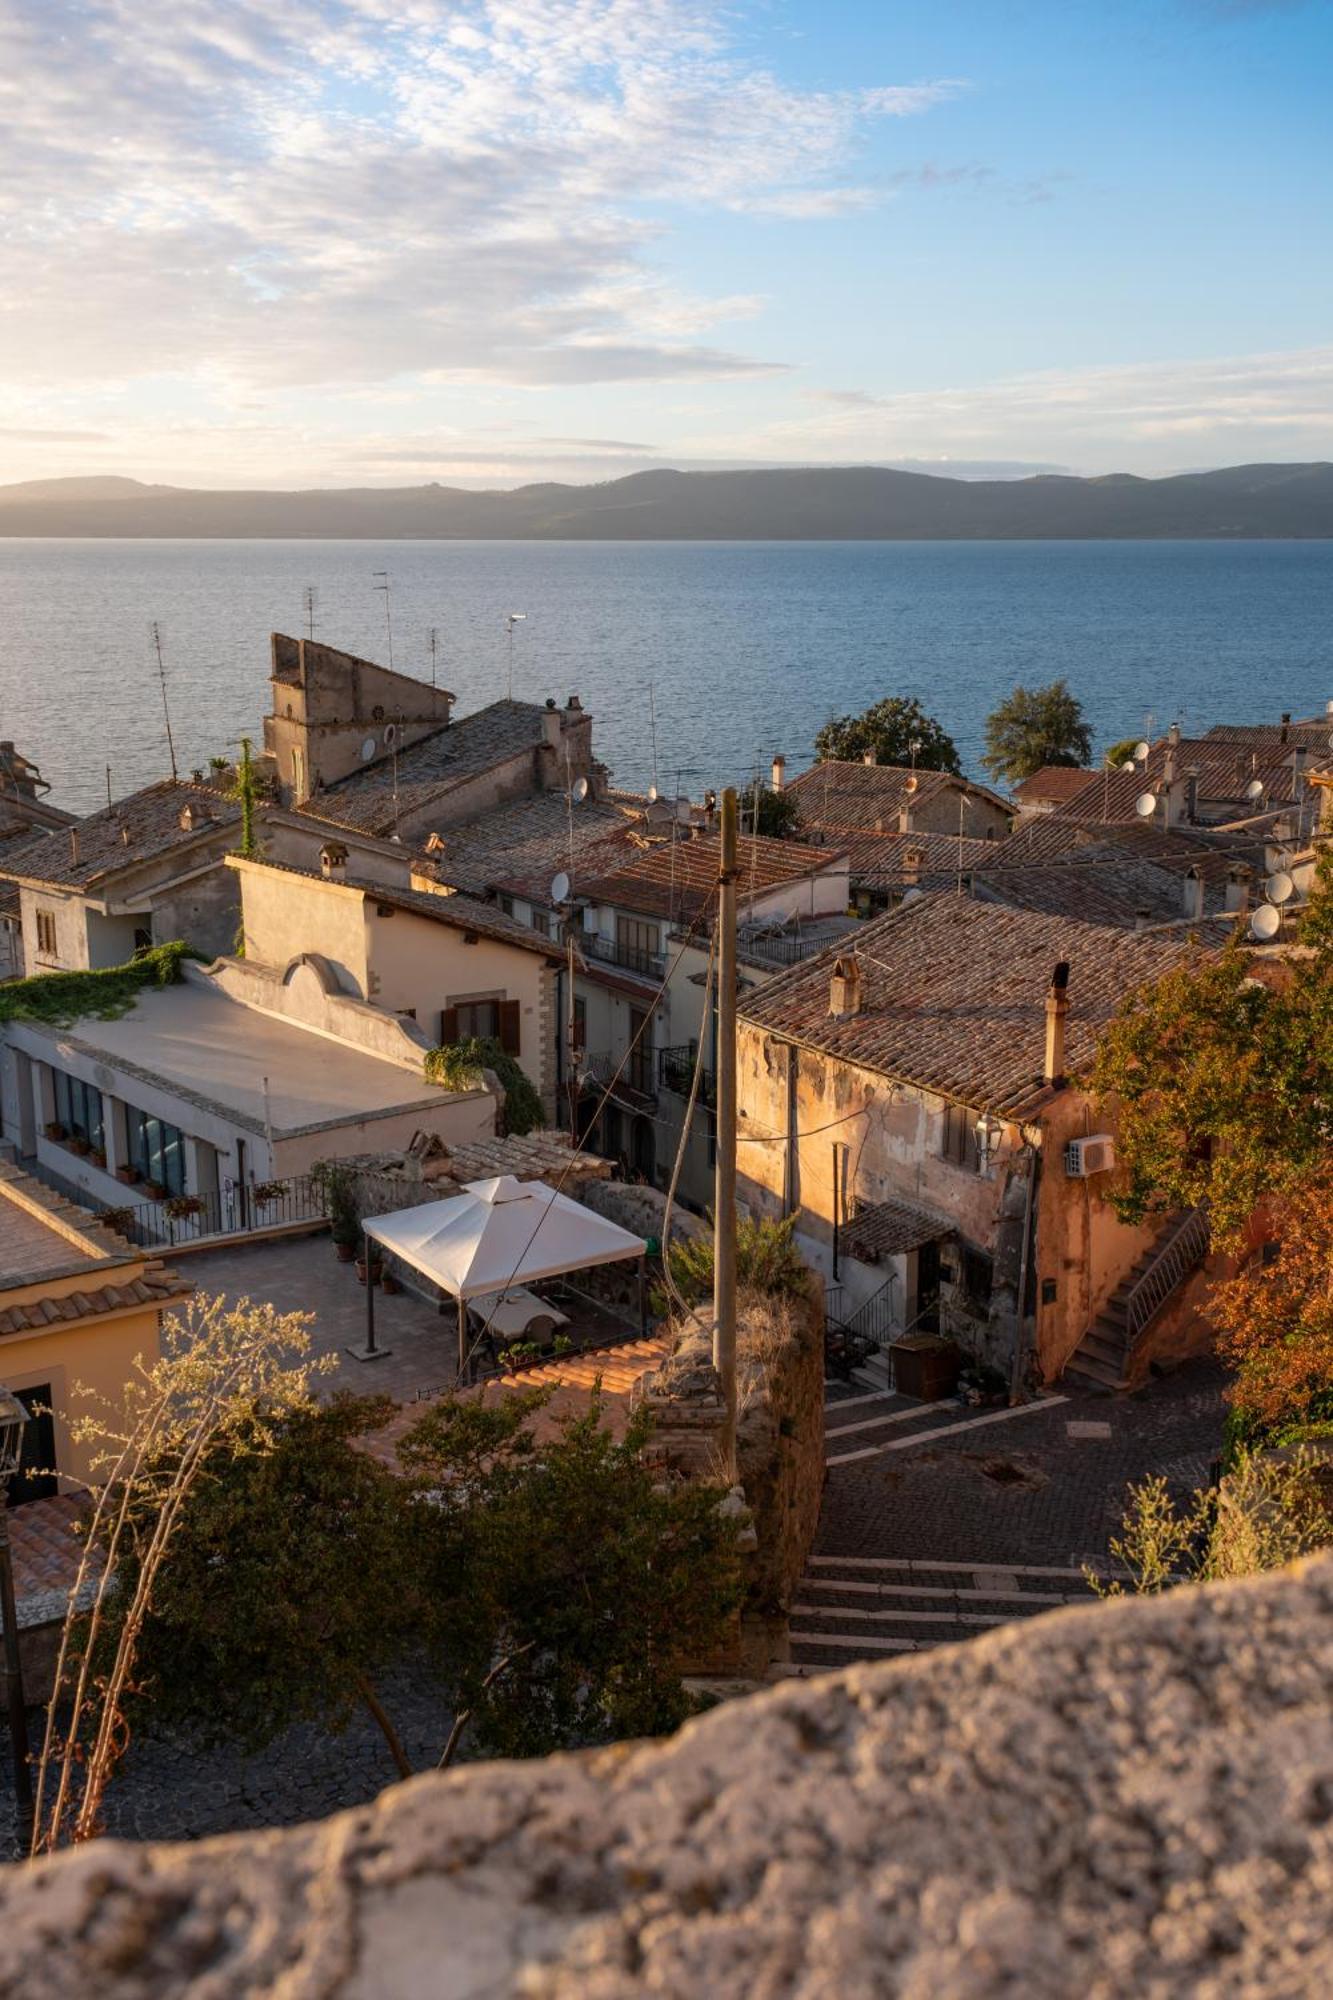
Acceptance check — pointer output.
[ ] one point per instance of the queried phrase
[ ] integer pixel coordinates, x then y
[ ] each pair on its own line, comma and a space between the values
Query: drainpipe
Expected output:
1025, 1264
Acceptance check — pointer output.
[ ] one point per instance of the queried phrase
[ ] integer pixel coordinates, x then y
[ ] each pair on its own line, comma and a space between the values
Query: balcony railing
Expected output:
231, 1210
675, 1072
632, 1085
610, 951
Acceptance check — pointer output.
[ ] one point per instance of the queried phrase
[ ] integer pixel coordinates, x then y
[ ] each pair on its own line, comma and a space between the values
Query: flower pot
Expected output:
344, 1252
375, 1271
98, 1157
126, 1176
54, 1130
79, 1146
389, 1285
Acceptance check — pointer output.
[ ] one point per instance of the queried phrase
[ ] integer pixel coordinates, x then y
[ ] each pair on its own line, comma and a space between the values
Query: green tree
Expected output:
1266, 1512
890, 728
1121, 753
773, 815
1034, 727
1224, 1081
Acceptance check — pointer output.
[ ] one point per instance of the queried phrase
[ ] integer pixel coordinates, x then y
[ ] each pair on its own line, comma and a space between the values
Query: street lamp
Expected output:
989, 1131
13, 1418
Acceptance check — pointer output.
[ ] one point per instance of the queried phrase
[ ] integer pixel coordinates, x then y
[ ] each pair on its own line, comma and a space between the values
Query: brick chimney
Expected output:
779, 773
1285, 731
1192, 776
868, 757
1173, 734
551, 724
1057, 1011
913, 861
844, 992
333, 861
1192, 894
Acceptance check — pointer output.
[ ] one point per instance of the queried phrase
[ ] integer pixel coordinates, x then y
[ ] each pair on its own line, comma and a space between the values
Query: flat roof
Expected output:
194, 1041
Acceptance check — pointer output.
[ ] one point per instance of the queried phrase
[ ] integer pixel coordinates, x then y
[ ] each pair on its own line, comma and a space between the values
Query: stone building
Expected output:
908, 1096
839, 798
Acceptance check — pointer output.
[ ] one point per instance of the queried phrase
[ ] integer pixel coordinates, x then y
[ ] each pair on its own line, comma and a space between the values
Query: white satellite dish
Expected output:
913, 895
368, 748
1279, 888
652, 795
1145, 805
580, 790
1266, 922
1140, 753
560, 888
1255, 789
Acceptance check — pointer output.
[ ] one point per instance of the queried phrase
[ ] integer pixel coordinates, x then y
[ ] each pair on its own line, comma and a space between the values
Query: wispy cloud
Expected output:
311, 192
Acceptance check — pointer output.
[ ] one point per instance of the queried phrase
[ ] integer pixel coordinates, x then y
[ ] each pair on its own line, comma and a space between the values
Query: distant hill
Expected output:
829, 503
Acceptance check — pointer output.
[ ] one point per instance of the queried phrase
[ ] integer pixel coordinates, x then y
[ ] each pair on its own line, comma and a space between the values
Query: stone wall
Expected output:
1129, 1799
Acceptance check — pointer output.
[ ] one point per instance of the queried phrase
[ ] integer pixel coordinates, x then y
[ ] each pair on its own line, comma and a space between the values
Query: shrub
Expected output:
767, 1262
460, 1066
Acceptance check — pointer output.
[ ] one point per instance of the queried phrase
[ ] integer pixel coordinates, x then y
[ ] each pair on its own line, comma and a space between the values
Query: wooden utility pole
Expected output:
724, 1205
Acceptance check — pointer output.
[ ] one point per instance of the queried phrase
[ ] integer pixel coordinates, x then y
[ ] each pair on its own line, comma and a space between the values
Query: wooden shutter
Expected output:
448, 1027
509, 1027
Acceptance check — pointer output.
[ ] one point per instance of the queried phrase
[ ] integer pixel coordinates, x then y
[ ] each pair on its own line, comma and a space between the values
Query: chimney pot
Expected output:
779, 773
1057, 1011
1173, 734
1192, 889
1239, 877
1285, 730
868, 757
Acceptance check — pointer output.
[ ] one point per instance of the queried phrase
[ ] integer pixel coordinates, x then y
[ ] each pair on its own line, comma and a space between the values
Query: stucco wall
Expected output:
99, 1354
287, 915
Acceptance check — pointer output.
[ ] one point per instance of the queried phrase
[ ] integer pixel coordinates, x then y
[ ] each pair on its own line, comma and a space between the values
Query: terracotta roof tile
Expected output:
678, 878
120, 836
891, 1229
954, 996
1053, 781
837, 797
375, 799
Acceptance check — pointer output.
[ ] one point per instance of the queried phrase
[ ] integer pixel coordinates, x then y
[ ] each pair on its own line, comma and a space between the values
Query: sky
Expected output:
380, 242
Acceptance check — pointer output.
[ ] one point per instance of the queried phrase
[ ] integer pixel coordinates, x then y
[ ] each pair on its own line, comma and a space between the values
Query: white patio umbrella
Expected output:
495, 1234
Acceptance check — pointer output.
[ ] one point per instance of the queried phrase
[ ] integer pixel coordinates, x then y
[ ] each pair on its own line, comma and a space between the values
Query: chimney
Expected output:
1239, 878
333, 861
1328, 710
844, 992
1173, 735
1057, 1009
868, 757
1142, 920
779, 773
551, 724
1192, 887
1285, 730
1192, 776
74, 846
913, 857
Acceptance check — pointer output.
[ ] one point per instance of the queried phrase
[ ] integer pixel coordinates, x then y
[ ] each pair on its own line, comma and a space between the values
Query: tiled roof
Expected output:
882, 857
1053, 781
954, 996
521, 846
120, 836
891, 1229
1226, 769
676, 879
839, 797
48, 1237
373, 800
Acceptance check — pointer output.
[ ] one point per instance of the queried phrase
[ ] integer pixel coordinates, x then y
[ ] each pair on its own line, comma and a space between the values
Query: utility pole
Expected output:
724, 1205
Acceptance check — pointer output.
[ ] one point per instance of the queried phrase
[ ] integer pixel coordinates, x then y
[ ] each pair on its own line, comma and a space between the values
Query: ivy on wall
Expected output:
459, 1066
58, 999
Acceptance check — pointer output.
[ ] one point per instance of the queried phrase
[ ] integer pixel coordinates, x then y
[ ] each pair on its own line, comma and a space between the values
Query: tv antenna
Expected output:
308, 609
433, 641
652, 725
513, 618
382, 583
156, 631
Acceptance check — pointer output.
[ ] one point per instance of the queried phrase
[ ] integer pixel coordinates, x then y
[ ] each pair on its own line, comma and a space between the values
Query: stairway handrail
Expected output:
1182, 1252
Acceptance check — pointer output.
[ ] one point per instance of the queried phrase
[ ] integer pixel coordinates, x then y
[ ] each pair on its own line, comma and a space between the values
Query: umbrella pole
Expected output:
643, 1298
370, 1352
462, 1337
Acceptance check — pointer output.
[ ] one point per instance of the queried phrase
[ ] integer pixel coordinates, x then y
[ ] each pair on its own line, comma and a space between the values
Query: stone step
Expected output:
1106, 1345
1098, 1375
1015, 1603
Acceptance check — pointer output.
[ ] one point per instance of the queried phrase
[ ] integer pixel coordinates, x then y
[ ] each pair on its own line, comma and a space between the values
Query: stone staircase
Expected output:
852, 1608
1101, 1360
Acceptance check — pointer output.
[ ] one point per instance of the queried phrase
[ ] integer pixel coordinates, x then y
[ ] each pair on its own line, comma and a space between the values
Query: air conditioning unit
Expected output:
1093, 1155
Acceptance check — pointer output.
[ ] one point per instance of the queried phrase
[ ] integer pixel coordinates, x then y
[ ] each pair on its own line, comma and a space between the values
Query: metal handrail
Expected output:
610, 951
1184, 1251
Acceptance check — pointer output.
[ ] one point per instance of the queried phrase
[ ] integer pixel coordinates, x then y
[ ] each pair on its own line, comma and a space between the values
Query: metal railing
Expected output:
675, 1072
635, 1083
231, 1210
649, 964
873, 1319
1182, 1252
784, 947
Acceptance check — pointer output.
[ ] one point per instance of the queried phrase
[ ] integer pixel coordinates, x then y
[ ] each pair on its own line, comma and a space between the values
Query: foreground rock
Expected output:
1134, 1799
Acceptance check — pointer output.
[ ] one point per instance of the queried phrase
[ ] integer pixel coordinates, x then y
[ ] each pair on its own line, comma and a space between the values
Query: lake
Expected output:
748, 647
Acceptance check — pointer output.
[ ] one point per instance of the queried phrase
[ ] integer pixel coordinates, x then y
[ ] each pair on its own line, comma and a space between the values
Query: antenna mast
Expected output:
383, 584
433, 639
514, 618
156, 631
308, 602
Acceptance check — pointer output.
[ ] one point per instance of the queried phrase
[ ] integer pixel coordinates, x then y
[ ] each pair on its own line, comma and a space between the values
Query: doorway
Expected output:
35, 1478
928, 1288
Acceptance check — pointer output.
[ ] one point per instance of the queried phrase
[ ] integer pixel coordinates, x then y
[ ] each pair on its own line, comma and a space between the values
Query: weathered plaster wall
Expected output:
287, 915
98, 1354
1126, 1800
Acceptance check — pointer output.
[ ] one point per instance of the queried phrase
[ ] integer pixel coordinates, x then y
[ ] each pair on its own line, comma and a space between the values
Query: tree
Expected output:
773, 815
1266, 1512
1119, 754
1275, 1323
1034, 727
1224, 1080
897, 730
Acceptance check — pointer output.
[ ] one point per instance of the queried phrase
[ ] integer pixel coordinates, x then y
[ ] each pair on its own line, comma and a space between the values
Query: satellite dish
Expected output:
1279, 888
1145, 805
1255, 789
560, 888
580, 790
913, 895
368, 748
1266, 922
912, 783
652, 795
1140, 753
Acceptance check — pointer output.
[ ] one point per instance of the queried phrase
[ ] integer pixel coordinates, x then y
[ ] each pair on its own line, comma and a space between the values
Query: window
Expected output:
636, 944
156, 1150
639, 1068
959, 1138
46, 933
507, 905
298, 773
545, 924
488, 1020
79, 1109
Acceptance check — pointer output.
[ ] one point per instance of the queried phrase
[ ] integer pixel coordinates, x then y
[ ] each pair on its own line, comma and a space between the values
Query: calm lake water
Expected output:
748, 646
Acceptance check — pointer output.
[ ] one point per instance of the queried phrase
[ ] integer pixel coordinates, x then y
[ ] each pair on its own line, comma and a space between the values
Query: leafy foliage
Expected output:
1265, 1513
1033, 727
1118, 754
459, 1067
890, 728
1275, 1322
58, 999
339, 1185
774, 815
1225, 1082
767, 1261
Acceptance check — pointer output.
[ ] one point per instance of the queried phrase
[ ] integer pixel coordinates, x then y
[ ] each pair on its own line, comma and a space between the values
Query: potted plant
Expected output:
339, 1185
265, 1193
126, 1176
54, 1129
154, 1190
97, 1154
182, 1206
370, 1263
119, 1219
389, 1284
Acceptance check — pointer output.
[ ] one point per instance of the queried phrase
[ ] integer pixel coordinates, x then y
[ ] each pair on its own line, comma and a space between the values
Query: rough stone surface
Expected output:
1132, 1799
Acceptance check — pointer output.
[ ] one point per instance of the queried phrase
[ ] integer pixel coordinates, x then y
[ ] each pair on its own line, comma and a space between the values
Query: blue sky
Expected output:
341, 241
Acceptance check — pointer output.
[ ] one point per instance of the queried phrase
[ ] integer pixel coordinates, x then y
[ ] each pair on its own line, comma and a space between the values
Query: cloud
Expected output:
290, 193
20, 436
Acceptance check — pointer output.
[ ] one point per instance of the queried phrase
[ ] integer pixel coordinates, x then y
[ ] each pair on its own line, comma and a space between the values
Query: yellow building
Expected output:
78, 1304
